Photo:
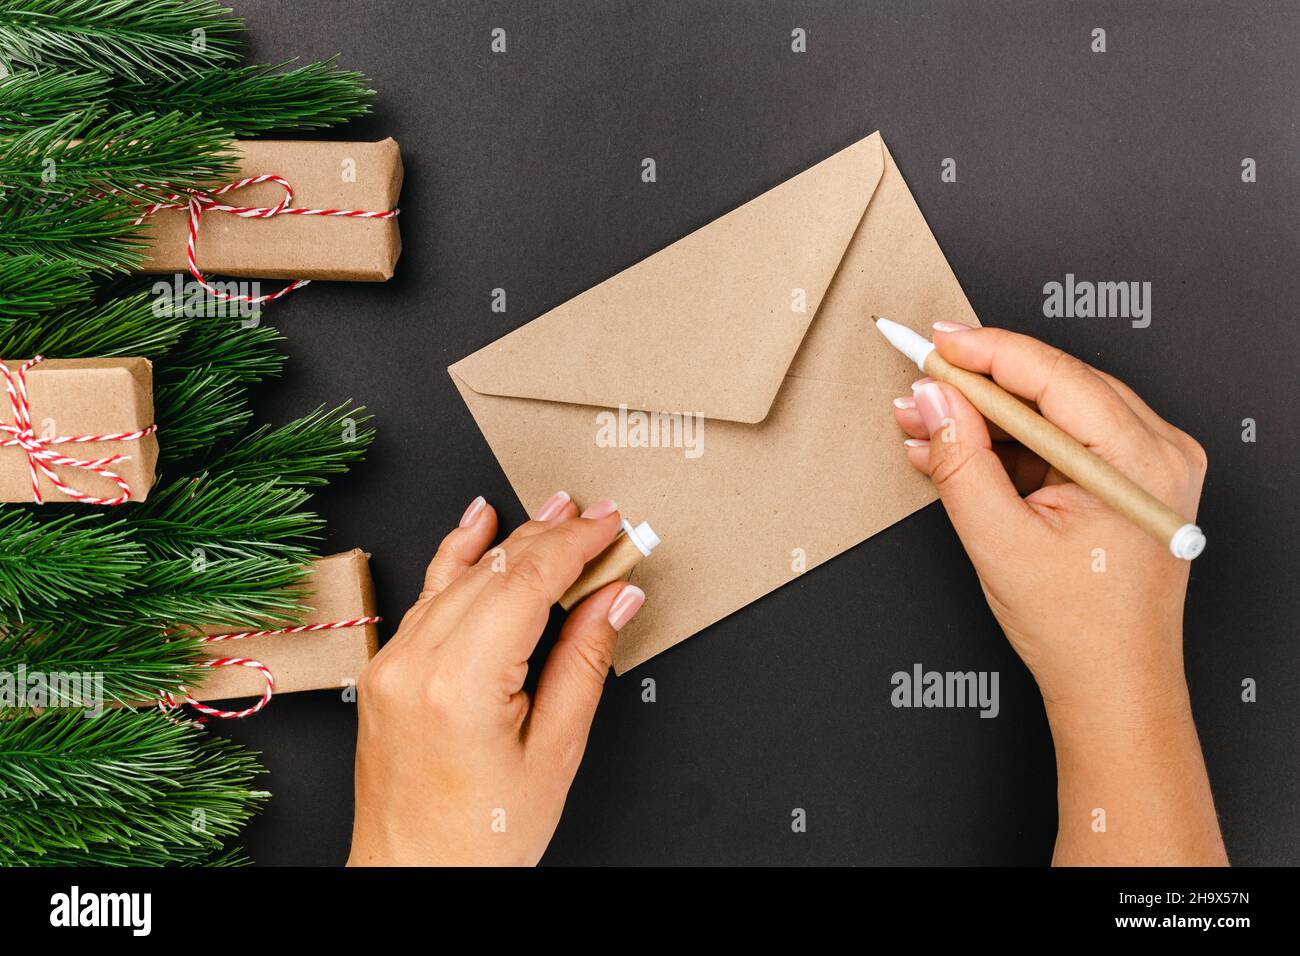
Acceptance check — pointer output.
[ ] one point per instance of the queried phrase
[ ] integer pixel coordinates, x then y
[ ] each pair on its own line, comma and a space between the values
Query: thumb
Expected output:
573, 676
972, 482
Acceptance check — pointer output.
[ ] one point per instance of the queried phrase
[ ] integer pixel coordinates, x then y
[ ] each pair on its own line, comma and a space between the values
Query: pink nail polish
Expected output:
554, 505
472, 512
626, 605
905, 403
601, 509
934, 410
917, 443
951, 327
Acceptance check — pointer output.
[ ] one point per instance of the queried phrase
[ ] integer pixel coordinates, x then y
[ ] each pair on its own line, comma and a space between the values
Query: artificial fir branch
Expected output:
302, 452
94, 236
31, 285
241, 347
199, 410
30, 99
124, 788
136, 39
238, 593
255, 100
71, 556
143, 156
134, 662
131, 325
227, 517
245, 101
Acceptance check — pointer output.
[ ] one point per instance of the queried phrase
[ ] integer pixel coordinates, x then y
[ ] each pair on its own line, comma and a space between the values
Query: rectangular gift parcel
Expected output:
757, 326
324, 175
77, 398
341, 590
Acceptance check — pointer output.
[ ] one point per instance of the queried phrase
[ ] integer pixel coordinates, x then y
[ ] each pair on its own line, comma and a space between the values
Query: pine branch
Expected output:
123, 788
255, 100
303, 452
31, 99
134, 39
239, 593
226, 518
31, 285
95, 236
241, 352
69, 556
145, 157
131, 325
134, 662
198, 411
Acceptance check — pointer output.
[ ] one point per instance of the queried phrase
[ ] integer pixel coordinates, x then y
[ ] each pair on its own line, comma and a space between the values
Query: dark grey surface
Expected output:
523, 173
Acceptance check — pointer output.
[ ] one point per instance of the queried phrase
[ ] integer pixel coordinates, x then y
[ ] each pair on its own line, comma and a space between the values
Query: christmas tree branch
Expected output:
62, 558
30, 285
135, 39
302, 452
143, 156
30, 99
255, 100
123, 788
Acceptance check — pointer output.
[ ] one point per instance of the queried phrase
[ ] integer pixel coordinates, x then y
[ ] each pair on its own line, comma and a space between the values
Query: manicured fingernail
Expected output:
554, 505
921, 381
950, 327
627, 603
601, 509
905, 403
917, 443
929, 400
472, 512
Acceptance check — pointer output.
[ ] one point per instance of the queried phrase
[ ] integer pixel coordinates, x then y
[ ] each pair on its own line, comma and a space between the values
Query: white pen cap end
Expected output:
1187, 542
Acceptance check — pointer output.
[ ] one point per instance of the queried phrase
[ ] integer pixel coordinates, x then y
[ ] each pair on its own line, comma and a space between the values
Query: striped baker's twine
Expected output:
42, 461
200, 201
171, 701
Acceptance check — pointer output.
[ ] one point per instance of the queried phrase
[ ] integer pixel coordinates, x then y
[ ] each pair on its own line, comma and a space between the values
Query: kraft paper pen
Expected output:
616, 562
1054, 446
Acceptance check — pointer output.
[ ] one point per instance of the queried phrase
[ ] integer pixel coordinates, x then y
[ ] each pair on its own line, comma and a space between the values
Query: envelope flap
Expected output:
709, 324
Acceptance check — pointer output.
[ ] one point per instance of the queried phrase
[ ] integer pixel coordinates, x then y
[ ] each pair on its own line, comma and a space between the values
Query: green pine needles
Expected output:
104, 105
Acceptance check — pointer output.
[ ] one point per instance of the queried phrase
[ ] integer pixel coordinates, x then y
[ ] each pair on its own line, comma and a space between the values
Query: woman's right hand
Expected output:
1089, 601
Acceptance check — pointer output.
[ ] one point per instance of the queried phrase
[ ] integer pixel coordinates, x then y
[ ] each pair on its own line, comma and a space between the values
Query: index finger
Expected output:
508, 615
1067, 391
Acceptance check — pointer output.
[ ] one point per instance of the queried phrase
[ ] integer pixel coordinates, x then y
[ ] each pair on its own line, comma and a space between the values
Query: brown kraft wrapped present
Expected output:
335, 176
77, 430
340, 591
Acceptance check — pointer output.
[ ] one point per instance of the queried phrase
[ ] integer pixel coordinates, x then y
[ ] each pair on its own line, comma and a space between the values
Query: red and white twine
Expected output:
200, 201
42, 461
171, 701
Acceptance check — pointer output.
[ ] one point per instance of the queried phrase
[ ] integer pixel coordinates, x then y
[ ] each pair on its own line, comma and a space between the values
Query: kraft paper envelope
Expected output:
800, 457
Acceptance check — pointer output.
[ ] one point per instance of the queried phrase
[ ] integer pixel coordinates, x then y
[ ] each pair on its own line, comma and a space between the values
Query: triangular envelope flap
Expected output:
709, 324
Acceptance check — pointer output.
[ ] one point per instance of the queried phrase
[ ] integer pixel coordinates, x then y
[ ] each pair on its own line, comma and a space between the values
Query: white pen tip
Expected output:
915, 347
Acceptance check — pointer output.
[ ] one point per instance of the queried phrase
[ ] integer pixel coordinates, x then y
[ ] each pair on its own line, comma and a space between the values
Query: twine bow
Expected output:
171, 701
199, 201
42, 461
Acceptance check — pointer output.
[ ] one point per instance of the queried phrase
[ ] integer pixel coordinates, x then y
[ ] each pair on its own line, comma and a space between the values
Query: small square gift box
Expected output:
77, 430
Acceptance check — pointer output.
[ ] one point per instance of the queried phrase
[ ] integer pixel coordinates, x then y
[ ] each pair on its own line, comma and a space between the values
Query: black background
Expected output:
523, 172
